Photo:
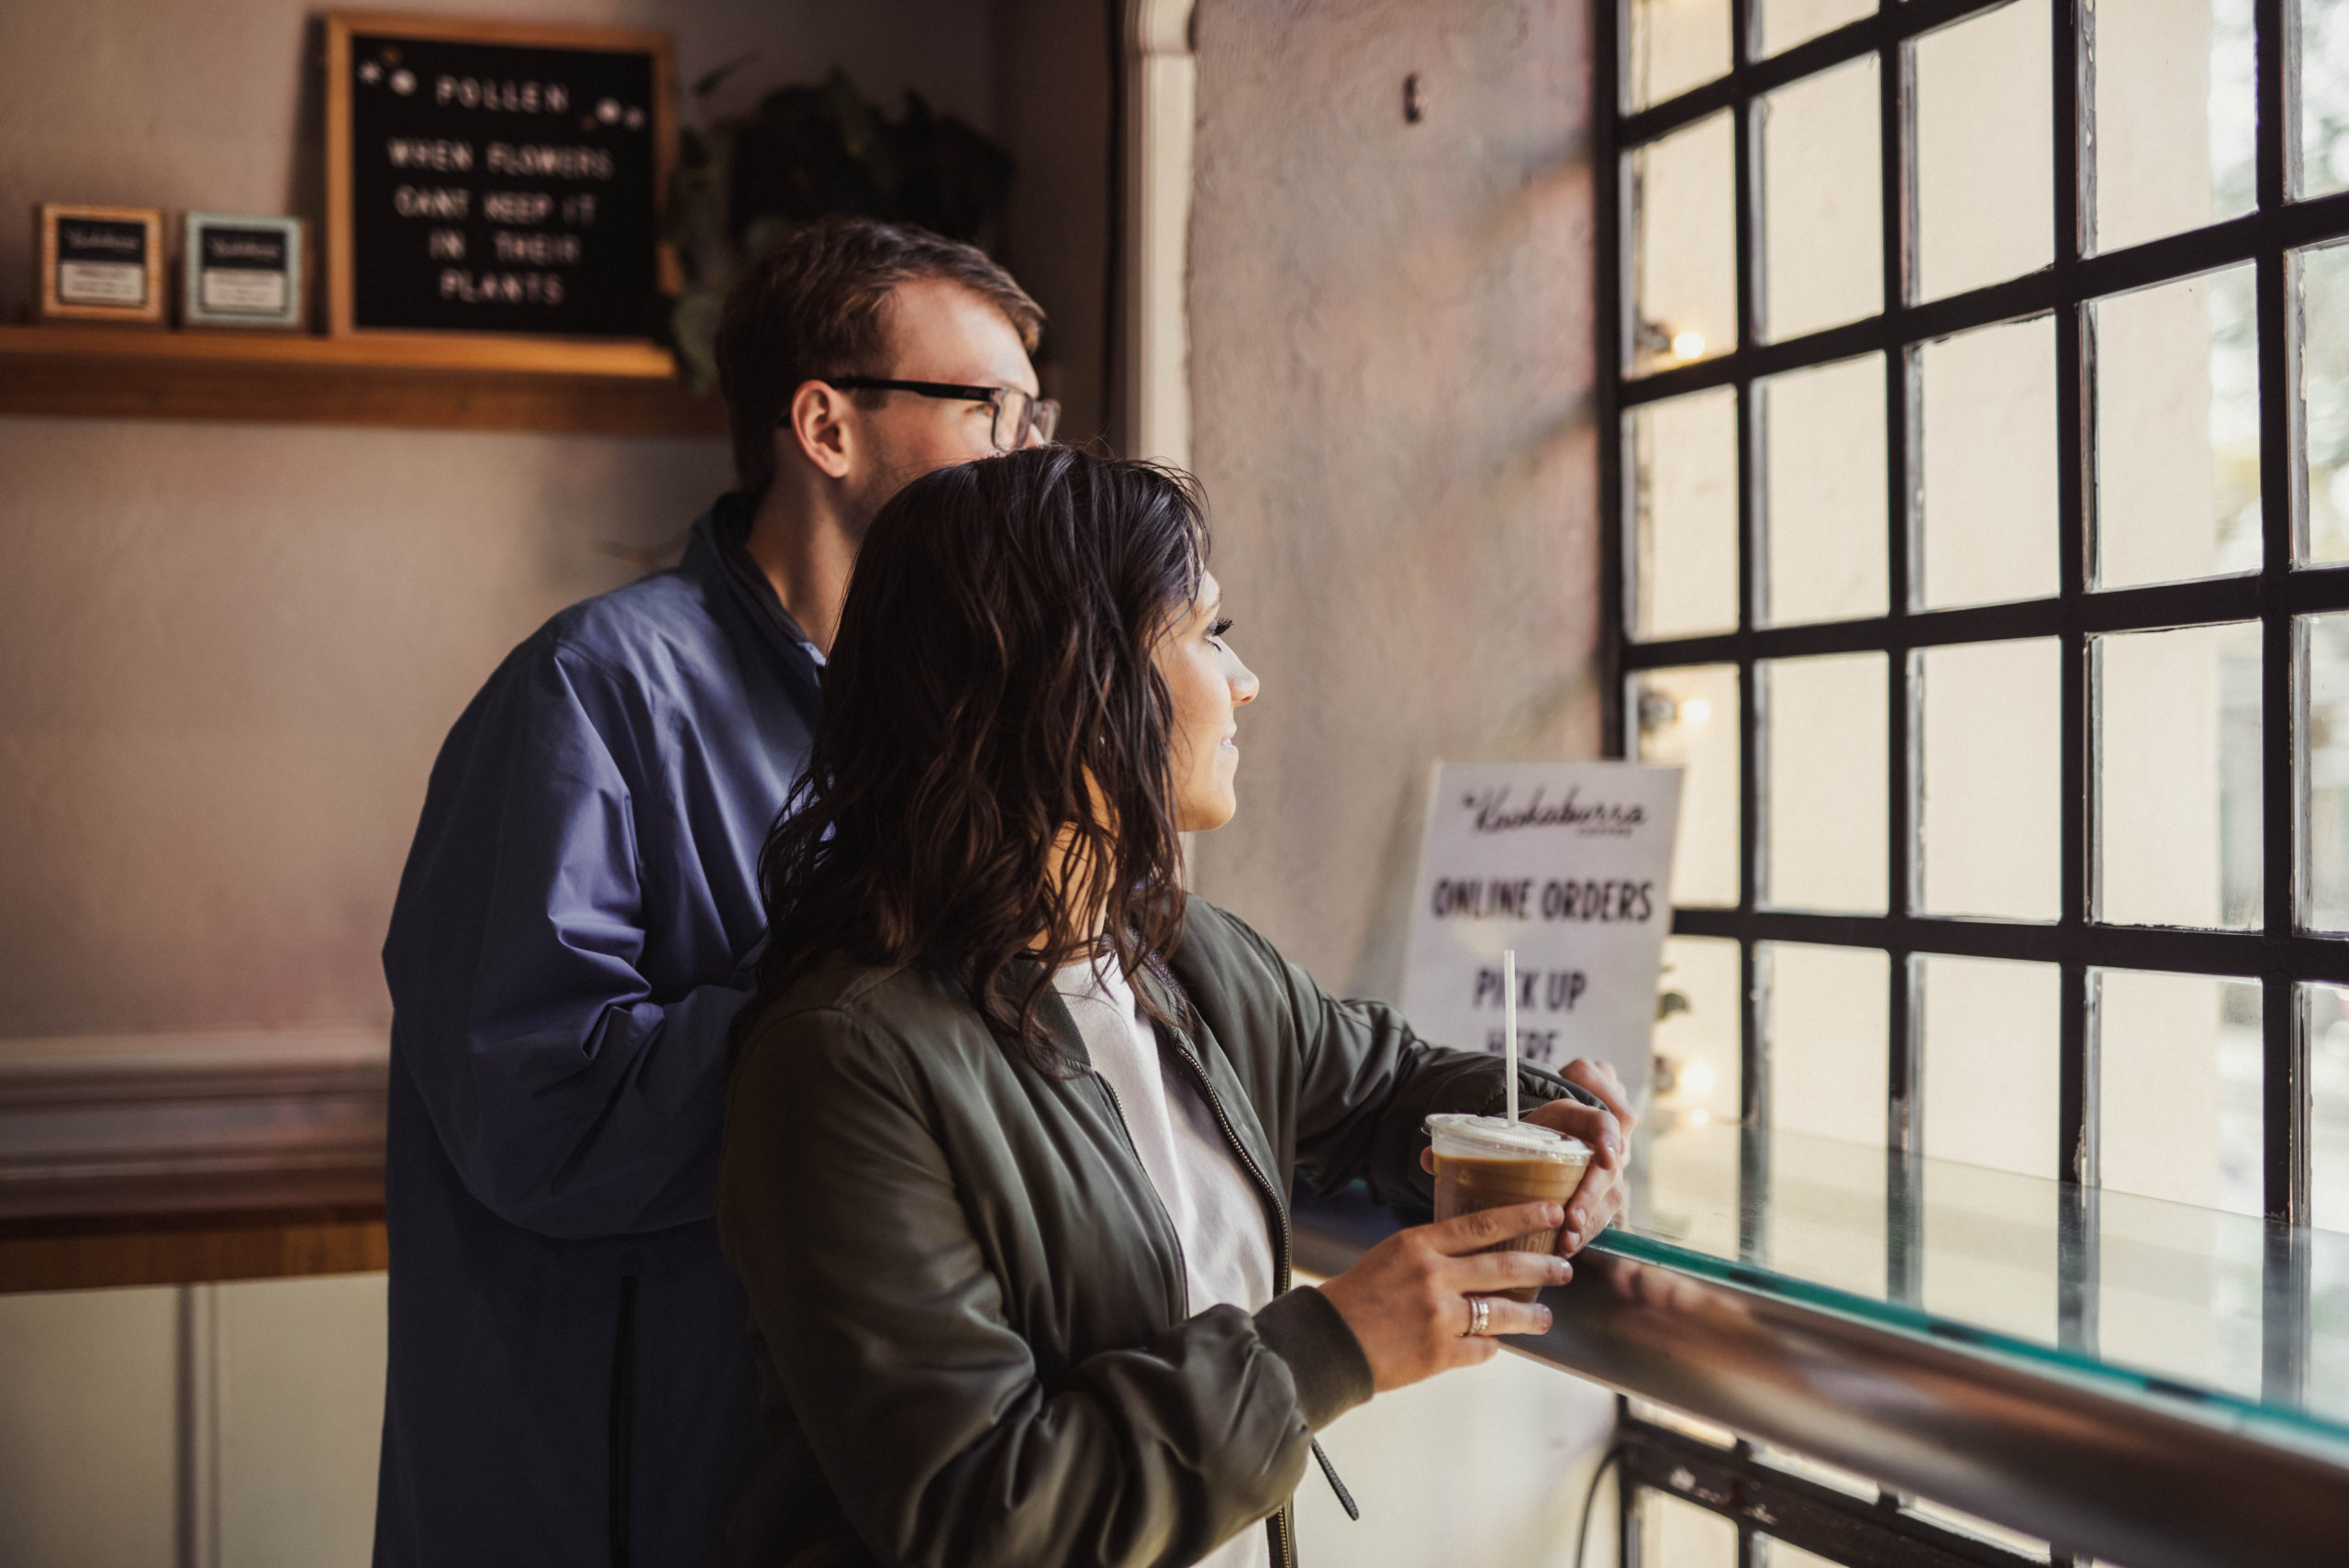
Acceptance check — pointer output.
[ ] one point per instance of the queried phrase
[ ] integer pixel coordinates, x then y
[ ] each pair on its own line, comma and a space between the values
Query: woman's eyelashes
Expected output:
1216, 632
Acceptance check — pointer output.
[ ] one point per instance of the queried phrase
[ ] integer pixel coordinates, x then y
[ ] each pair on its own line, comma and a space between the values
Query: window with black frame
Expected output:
1978, 377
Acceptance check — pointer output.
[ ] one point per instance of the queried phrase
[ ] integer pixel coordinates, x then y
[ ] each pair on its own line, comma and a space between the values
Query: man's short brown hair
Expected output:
814, 306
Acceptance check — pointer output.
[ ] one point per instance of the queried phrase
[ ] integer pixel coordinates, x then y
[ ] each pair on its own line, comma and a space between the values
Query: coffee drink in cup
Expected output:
1488, 1161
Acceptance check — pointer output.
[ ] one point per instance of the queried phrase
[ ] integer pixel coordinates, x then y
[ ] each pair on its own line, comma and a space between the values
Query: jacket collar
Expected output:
1190, 1036
717, 553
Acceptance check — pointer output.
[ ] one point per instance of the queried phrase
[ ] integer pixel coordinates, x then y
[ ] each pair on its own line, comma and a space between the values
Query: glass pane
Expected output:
1674, 1534
2177, 777
1786, 23
1823, 447
1825, 1219
1778, 1554
2177, 431
1822, 210
1823, 798
1991, 1242
2178, 1292
2324, 96
1988, 483
2175, 115
2324, 773
1985, 159
1988, 803
1688, 719
2325, 391
1991, 1058
1681, 1422
1683, 514
1697, 1032
1684, 249
1810, 1469
1824, 1014
2327, 1011
1689, 1197
2328, 1375
2179, 1096
1978, 1527
1674, 45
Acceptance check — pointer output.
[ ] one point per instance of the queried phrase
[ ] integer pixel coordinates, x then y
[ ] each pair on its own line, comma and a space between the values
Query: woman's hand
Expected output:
1598, 1199
1608, 1130
1407, 1298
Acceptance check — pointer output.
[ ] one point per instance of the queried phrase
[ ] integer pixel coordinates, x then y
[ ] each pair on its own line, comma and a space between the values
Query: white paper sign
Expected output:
1570, 864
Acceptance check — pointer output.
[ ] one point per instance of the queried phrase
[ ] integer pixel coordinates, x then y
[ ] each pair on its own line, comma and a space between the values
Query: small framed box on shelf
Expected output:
98, 263
244, 271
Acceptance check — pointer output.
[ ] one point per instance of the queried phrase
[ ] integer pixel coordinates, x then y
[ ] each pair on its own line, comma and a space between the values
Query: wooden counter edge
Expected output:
315, 1223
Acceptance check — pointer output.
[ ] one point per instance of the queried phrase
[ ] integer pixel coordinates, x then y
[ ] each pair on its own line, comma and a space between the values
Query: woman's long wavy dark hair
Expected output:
991, 692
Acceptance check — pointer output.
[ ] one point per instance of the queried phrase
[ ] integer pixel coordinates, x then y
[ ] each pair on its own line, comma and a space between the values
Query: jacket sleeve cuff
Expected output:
1535, 1086
1332, 1375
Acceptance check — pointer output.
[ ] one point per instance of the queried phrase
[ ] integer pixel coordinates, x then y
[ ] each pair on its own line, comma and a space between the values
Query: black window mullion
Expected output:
1904, 1236
2208, 601
1612, 191
2322, 960
1754, 1060
2076, 1096
2284, 1017
2071, 58
2283, 1079
1904, 19
1896, 158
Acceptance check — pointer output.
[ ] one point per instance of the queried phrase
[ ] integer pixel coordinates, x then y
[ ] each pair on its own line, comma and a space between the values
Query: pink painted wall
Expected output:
227, 652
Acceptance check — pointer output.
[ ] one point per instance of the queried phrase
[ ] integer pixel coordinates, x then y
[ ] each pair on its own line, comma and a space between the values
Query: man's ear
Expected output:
820, 423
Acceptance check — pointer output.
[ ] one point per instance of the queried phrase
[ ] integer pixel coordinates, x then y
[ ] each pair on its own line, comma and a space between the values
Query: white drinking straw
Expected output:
1508, 1021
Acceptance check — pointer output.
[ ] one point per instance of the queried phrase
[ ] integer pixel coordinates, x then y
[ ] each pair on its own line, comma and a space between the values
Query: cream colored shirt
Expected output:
1227, 1250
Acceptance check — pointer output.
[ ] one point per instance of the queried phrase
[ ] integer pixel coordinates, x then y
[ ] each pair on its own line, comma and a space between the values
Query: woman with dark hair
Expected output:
1013, 1121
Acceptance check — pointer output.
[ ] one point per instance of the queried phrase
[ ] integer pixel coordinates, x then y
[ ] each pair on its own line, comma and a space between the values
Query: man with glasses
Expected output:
570, 1378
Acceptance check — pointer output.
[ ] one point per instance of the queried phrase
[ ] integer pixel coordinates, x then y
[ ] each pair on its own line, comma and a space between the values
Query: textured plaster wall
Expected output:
227, 652
1391, 369
1391, 373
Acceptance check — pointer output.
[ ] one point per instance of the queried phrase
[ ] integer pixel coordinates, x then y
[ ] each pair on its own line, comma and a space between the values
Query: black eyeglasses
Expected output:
1018, 414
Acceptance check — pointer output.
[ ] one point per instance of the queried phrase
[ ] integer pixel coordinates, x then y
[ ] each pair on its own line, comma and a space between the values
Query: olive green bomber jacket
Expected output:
973, 1329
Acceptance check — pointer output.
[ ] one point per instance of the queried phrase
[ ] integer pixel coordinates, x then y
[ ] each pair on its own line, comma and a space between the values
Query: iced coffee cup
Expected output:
1487, 1161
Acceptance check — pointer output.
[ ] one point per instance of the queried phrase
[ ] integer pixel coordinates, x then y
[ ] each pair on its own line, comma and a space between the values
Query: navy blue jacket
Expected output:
571, 1378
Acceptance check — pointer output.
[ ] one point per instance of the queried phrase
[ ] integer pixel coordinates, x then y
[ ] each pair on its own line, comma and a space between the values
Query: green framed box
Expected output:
244, 271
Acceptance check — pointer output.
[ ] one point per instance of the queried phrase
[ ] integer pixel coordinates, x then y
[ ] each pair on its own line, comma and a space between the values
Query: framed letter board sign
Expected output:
486, 177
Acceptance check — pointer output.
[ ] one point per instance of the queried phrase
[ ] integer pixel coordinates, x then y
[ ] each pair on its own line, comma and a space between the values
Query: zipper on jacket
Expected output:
1281, 1273
1286, 1555
1247, 1160
622, 1434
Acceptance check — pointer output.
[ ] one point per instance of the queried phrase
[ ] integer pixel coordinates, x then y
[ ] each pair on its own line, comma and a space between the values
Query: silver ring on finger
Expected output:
1480, 1317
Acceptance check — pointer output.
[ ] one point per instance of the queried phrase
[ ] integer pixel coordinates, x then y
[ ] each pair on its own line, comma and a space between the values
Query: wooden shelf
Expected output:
414, 381
87, 1235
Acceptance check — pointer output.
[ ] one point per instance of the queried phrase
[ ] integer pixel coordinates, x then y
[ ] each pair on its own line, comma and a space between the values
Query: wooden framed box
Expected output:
500, 180
98, 263
244, 271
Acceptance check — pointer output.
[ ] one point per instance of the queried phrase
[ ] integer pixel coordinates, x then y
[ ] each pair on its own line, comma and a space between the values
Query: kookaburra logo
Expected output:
1494, 814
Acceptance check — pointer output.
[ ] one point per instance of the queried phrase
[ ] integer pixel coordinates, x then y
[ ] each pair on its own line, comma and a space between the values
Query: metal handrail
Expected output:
2025, 1447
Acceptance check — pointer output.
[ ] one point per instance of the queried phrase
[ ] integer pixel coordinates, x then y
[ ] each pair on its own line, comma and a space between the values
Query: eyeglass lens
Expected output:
1017, 415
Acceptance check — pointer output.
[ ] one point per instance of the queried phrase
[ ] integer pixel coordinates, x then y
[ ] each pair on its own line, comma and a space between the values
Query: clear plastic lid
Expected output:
1458, 1136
